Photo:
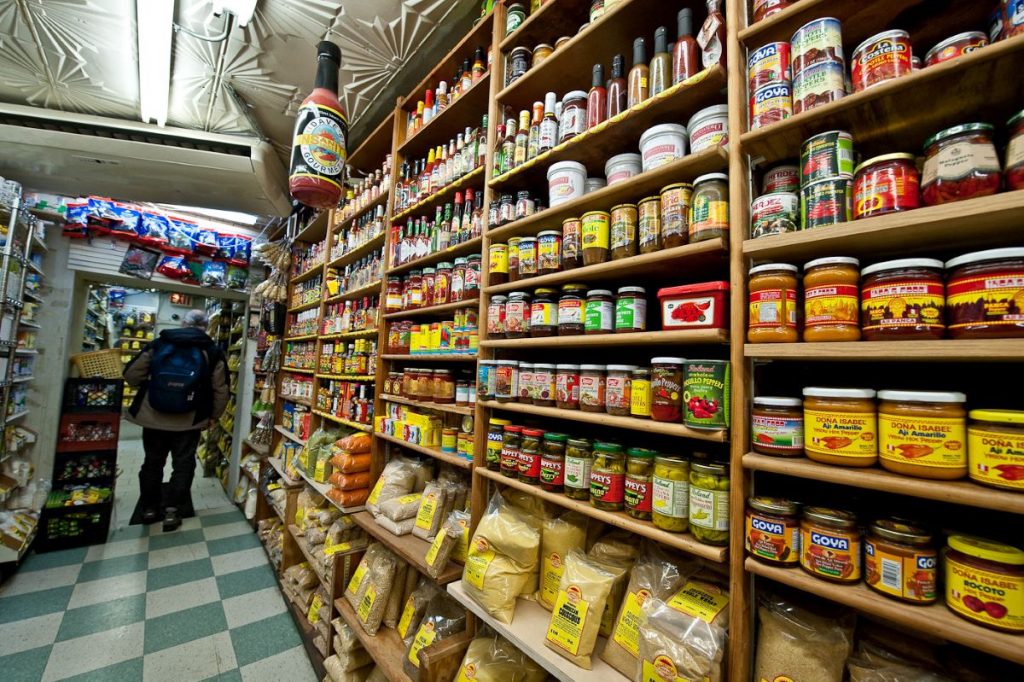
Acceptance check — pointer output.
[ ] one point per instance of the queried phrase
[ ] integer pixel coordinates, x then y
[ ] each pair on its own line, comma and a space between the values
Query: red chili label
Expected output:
888, 57
884, 190
992, 299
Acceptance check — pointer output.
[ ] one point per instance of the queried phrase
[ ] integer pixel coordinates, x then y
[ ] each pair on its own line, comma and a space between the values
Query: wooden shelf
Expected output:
386, 648
375, 146
436, 453
341, 224
317, 228
543, 23
278, 465
344, 422
602, 419
946, 350
296, 370
256, 447
662, 338
289, 435
423, 405
302, 337
323, 489
304, 307
433, 309
409, 547
528, 631
955, 492
300, 540
935, 620
622, 132
441, 196
680, 541
296, 399
436, 357
466, 111
374, 244
948, 229
362, 333
634, 189
347, 377
317, 269
371, 289
463, 249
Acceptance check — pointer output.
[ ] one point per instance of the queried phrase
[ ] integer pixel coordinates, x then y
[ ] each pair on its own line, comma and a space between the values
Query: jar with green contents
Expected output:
495, 439
579, 458
639, 480
509, 463
709, 503
670, 506
552, 462
608, 477
529, 456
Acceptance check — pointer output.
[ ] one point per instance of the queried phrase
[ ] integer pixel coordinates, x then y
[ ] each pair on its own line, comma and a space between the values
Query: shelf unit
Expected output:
411, 549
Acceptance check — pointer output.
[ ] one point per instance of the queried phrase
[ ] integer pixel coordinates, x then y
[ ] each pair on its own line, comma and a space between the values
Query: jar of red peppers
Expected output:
442, 283
471, 283
567, 387
885, 184
1014, 173
667, 389
961, 163
517, 315
592, 388
415, 288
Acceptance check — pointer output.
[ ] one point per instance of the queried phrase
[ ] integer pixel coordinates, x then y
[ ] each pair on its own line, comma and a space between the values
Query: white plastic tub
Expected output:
565, 182
709, 127
622, 167
594, 184
662, 144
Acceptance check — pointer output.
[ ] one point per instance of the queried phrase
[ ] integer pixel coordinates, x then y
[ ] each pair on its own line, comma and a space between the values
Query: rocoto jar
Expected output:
841, 426
983, 299
903, 299
617, 389
570, 310
639, 482
923, 433
886, 184
773, 304
670, 505
599, 312
709, 503
592, 388
995, 448
544, 313
675, 214
1014, 173
496, 316
772, 531
960, 163
985, 582
608, 477
900, 561
831, 299
640, 393
518, 313
667, 389
830, 544
777, 426
579, 459
567, 387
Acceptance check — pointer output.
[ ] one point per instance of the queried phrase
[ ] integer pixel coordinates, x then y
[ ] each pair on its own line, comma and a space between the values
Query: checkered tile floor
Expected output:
201, 603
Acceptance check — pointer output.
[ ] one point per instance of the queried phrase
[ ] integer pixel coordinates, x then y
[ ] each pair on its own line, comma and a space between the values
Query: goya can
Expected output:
774, 213
707, 387
886, 184
817, 85
771, 104
816, 42
825, 202
769, 65
955, 46
784, 178
880, 58
772, 531
826, 155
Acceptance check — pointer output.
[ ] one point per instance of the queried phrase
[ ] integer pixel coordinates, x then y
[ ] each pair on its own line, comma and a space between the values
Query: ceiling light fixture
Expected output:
154, 22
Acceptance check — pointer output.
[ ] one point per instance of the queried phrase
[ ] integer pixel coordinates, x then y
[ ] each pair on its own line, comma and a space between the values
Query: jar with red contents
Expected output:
442, 283
496, 317
458, 280
414, 290
1014, 173
766, 8
393, 296
961, 163
886, 184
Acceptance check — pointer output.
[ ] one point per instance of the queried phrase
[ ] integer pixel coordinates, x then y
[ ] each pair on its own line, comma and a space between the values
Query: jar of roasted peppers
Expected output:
960, 163
667, 389
1014, 173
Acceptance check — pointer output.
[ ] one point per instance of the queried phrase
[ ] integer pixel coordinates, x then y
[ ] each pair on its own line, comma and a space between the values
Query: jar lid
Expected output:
1016, 118
821, 392
523, 240
573, 94
429, 270
670, 128
667, 361
674, 460
958, 130
608, 447
443, 265
549, 233
545, 291
622, 368
518, 50
709, 112
923, 396
498, 298
902, 263
642, 370
542, 46
768, 267
616, 207
631, 158
632, 290
881, 159
442, 371
499, 422
520, 295
835, 260
641, 453
988, 550
566, 166
579, 442
710, 176
524, 365
599, 292
542, 365
574, 288
832, 517
513, 428
532, 433
573, 368
509, 363
773, 505
488, 362
592, 368
675, 186
980, 256
1004, 416
771, 401
897, 531
514, 240
715, 468
557, 437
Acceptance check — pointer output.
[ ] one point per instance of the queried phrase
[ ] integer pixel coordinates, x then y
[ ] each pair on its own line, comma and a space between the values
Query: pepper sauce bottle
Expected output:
686, 54
639, 75
597, 99
617, 94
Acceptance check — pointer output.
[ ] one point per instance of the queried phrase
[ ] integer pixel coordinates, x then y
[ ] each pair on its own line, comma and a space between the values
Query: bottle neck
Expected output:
327, 75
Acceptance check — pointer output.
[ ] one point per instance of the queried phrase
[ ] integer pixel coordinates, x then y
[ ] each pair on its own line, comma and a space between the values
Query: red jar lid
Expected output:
690, 289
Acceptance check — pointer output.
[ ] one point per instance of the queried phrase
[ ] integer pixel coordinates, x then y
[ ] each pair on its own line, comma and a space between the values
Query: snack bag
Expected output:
76, 223
152, 229
242, 251
127, 224
180, 237
225, 246
205, 242
237, 278
195, 271
173, 267
139, 262
214, 275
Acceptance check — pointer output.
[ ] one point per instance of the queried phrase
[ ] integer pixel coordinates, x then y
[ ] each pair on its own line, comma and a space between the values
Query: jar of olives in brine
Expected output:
670, 506
579, 458
639, 476
552, 462
608, 477
709, 503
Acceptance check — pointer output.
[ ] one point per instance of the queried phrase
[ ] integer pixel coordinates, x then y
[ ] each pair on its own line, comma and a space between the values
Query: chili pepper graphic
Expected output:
1010, 472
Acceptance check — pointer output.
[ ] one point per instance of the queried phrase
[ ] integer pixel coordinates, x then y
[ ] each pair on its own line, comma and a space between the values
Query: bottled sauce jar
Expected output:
630, 310
513, 259
624, 222
639, 483
567, 387
830, 544
544, 385
772, 527
923, 433
579, 459
596, 237
841, 426
570, 310
527, 257
777, 426
960, 163
982, 294
471, 285
995, 448
592, 388
518, 314
886, 184
617, 389
599, 312
552, 462
675, 214
572, 243
773, 304
832, 299
506, 383
670, 503
900, 561
526, 386
649, 225
667, 389
608, 477
497, 263
972, 566
495, 440
496, 311
709, 503
549, 252
573, 120
640, 393
709, 214
544, 313
902, 299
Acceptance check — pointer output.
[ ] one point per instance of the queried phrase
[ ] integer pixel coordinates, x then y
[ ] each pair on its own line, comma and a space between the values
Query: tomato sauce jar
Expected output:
985, 582
1014, 174
777, 426
961, 163
886, 184
956, 46
880, 58
983, 294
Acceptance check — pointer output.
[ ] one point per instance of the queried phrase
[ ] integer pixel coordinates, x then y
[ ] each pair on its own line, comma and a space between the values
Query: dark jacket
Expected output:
211, 402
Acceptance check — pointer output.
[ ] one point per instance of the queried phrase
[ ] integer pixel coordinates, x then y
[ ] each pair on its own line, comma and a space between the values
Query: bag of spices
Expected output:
444, 617
617, 551
397, 479
400, 508
445, 542
394, 608
673, 645
535, 511
492, 658
559, 535
430, 514
576, 618
799, 643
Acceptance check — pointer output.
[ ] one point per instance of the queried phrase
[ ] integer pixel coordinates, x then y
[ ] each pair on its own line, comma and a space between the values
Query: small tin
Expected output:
826, 202
816, 42
707, 387
769, 65
826, 155
817, 85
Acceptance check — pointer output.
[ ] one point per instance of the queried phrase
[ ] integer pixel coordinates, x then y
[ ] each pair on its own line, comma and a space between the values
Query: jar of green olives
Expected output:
552, 462
608, 477
639, 475
670, 506
579, 458
709, 503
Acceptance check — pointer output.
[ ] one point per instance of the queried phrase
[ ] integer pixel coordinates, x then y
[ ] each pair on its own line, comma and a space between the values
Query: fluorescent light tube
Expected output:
154, 27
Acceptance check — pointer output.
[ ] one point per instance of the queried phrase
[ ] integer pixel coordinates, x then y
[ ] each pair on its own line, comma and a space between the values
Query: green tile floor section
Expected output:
151, 606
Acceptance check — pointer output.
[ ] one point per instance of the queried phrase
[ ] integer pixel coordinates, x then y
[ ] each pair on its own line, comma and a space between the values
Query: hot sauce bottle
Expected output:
617, 95
661, 63
597, 99
319, 149
686, 55
639, 75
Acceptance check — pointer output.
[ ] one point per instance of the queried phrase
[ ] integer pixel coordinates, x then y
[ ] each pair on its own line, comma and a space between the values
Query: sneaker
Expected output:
150, 516
172, 521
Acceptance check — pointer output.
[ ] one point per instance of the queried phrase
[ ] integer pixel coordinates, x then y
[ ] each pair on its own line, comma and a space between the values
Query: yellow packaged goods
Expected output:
560, 535
444, 617
502, 558
415, 607
794, 643
675, 646
370, 587
445, 542
616, 551
702, 599
995, 448
492, 658
334, 667
533, 510
394, 606
401, 508
576, 618
347, 661
430, 514
398, 478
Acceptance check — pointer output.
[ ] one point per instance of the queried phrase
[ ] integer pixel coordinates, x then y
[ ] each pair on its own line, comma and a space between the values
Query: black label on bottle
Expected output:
319, 147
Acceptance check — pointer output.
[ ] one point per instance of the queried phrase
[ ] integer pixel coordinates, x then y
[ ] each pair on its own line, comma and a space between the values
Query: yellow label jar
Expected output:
840, 426
773, 531
901, 562
923, 433
985, 582
995, 448
830, 544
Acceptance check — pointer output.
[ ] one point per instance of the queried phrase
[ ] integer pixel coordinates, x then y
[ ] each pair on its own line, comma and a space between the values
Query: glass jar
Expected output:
471, 284
900, 561
462, 393
982, 299
497, 263
544, 313
573, 120
709, 503
527, 257
513, 259
393, 295
552, 462
443, 388
923, 433
526, 383
592, 388
496, 316
639, 493
595, 228
495, 441
772, 531
486, 378
886, 184
1014, 173
567, 387
518, 313
960, 163
515, 17
525, 205
667, 389
608, 477
670, 500
630, 310
903, 299
640, 393
995, 448
529, 456
572, 243
830, 544
570, 310
543, 385
617, 389
599, 312
676, 201
777, 426
854, 408
624, 221
506, 209
414, 287
510, 448
506, 383
458, 290
579, 459
709, 215
442, 284
831, 299
549, 252
967, 557
649, 225
773, 304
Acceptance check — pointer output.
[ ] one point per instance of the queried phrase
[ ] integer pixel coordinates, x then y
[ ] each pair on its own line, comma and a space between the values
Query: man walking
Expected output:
183, 388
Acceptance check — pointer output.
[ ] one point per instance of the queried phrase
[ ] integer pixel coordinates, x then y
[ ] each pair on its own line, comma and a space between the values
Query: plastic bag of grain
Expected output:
368, 590
399, 529
397, 479
415, 607
444, 617
559, 535
429, 517
492, 658
535, 511
576, 617
350, 660
808, 642
345, 638
377, 675
401, 508
617, 551
444, 543
333, 665
674, 646
394, 608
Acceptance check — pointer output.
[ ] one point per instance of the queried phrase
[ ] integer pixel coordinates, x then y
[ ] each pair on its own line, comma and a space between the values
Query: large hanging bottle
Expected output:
319, 150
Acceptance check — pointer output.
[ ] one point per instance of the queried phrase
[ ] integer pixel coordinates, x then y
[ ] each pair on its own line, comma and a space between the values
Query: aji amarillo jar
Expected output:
830, 544
772, 304
985, 582
831, 299
840, 426
902, 299
773, 531
985, 294
995, 448
901, 561
923, 433
777, 426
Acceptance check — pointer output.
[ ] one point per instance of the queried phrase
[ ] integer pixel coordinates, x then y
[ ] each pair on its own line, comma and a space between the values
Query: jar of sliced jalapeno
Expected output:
709, 503
608, 477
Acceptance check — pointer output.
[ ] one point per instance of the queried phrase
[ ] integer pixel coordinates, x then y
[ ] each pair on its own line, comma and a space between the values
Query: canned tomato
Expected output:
775, 213
815, 42
826, 155
766, 8
707, 387
770, 104
954, 47
785, 178
824, 203
881, 58
886, 184
768, 65
817, 85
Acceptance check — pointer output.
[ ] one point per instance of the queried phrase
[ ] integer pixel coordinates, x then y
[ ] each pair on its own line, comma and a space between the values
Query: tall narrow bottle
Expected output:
639, 75
661, 63
617, 90
548, 125
522, 137
686, 53
319, 142
533, 139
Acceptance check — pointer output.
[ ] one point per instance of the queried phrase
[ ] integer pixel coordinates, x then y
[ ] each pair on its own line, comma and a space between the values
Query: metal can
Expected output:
816, 42
707, 387
817, 85
785, 178
774, 213
769, 65
825, 202
886, 184
880, 58
826, 155
771, 104
955, 46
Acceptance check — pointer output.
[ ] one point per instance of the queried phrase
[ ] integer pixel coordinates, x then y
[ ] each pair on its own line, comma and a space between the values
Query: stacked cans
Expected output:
769, 82
819, 67
826, 179
777, 209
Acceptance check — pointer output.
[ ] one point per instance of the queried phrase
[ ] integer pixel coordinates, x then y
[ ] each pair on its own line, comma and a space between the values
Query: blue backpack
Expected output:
177, 377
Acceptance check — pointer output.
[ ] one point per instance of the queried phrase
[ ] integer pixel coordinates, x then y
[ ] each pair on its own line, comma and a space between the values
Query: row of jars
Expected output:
441, 386
458, 335
975, 295
447, 283
572, 312
668, 490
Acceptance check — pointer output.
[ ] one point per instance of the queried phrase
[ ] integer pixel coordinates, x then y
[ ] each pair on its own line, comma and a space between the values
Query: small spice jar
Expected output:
995, 448
649, 225
518, 313
592, 388
527, 257
624, 221
543, 385
675, 214
549, 252
639, 493
857, 444
495, 441
526, 383
497, 263
579, 459
510, 448
596, 232
572, 243
670, 505
773, 304
831, 299
709, 503
982, 294
709, 215
599, 312
529, 456
640, 393
608, 477
443, 389
506, 384
830, 544
570, 310
513, 259
772, 531
973, 566
552, 462
902, 299
544, 313
496, 316
777, 426
923, 433
901, 561
567, 387
960, 163
630, 310
667, 389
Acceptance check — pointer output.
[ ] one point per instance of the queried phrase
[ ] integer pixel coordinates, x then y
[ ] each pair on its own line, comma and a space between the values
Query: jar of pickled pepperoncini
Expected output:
579, 460
709, 503
670, 503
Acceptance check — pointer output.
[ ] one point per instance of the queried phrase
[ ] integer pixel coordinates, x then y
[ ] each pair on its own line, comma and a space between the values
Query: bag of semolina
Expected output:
675, 646
492, 658
576, 616
559, 535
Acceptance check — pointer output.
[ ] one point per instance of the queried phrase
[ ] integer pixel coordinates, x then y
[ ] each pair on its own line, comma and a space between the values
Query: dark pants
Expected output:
182, 447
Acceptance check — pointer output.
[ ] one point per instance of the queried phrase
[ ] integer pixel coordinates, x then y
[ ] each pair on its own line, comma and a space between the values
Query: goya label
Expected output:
833, 555
772, 539
911, 578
